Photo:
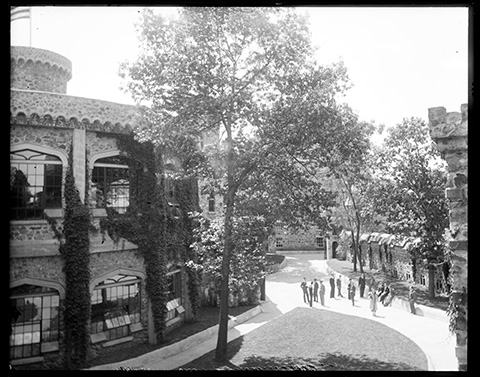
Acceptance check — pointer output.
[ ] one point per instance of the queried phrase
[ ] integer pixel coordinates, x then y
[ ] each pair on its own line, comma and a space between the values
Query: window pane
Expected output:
34, 187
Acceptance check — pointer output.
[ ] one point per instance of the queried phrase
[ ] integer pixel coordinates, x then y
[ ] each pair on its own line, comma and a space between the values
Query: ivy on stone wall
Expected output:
75, 251
144, 222
162, 234
186, 191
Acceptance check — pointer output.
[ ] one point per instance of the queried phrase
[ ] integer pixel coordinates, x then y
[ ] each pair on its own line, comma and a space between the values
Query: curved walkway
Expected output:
284, 294
432, 336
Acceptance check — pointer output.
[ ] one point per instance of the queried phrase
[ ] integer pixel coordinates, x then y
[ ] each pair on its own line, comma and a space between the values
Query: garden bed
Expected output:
207, 317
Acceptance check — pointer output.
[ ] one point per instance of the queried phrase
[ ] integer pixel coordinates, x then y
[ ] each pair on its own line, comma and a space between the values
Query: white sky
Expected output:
401, 61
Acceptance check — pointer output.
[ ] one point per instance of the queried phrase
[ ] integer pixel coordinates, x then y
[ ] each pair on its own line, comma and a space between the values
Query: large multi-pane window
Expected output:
174, 294
34, 320
110, 179
116, 303
35, 184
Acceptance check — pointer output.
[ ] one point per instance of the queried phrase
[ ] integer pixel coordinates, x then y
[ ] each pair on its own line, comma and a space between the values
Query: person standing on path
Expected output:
304, 287
351, 291
348, 288
315, 290
310, 290
361, 284
371, 283
412, 298
372, 295
322, 293
339, 285
332, 287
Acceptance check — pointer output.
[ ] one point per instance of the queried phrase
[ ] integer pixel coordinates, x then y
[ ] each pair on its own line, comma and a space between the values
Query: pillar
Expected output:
79, 161
449, 131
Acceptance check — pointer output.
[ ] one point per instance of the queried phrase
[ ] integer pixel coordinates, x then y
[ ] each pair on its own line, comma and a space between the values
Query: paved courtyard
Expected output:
284, 294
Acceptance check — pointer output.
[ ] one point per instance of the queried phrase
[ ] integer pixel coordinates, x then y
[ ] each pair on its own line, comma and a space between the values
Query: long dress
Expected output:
373, 301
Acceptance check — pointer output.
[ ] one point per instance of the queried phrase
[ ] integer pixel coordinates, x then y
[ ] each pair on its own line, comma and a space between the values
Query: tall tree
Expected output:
410, 192
242, 84
349, 175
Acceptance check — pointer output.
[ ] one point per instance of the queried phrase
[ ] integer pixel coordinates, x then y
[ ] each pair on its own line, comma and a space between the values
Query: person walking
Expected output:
352, 290
310, 290
339, 285
315, 290
361, 284
332, 287
372, 295
412, 298
322, 293
348, 288
304, 287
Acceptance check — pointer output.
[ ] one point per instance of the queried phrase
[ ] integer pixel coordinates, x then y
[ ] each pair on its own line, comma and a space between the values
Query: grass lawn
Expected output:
400, 287
207, 317
316, 339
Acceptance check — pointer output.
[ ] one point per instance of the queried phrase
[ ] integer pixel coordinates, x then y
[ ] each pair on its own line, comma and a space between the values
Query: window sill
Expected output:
28, 222
29, 360
117, 341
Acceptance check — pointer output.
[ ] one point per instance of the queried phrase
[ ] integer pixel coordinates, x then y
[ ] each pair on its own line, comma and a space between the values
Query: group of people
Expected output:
383, 293
312, 291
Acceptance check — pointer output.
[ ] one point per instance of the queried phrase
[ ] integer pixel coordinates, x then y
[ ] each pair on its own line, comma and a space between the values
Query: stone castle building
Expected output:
45, 124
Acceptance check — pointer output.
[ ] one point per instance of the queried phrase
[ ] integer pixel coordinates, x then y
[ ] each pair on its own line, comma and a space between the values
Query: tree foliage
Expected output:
410, 190
248, 259
237, 94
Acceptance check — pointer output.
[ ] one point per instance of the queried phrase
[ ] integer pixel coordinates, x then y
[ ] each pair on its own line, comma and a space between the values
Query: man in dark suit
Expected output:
332, 287
304, 287
361, 284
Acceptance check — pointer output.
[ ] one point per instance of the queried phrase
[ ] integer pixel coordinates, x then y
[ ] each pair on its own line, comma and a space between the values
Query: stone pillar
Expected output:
79, 161
449, 131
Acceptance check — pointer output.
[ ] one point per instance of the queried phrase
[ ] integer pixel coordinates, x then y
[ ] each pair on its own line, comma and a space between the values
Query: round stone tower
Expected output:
37, 69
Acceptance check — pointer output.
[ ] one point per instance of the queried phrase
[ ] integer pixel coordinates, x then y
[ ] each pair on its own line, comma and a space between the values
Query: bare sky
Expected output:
401, 61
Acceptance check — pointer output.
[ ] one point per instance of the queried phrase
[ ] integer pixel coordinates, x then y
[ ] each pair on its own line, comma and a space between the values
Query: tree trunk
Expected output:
358, 249
354, 246
431, 281
221, 350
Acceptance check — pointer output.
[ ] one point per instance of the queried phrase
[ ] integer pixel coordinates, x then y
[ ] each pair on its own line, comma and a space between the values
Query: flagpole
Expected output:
30, 39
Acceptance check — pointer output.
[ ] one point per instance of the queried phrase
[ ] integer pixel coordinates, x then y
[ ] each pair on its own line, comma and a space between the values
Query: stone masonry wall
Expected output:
43, 136
449, 131
38, 69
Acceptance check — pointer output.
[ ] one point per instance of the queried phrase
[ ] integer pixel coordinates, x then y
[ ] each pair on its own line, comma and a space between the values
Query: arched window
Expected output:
111, 183
35, 183
34, 320
116, 304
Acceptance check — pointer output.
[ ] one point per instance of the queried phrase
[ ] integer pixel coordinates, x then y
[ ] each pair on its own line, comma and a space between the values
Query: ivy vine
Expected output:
160, 234
75, 250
